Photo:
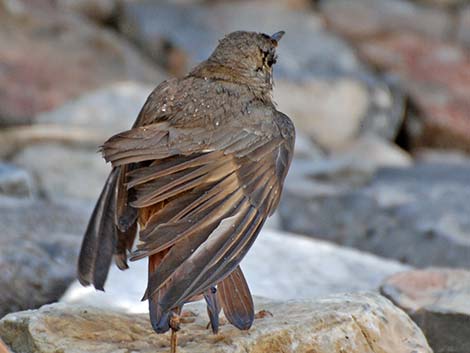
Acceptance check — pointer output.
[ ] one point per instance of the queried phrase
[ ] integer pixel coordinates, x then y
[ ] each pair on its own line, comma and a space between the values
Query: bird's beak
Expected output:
277, 36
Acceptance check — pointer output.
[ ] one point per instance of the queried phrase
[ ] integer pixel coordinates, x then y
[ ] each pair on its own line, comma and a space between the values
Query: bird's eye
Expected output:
269, 58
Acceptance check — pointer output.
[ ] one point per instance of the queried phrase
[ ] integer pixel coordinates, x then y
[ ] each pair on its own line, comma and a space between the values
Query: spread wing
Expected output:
215, 188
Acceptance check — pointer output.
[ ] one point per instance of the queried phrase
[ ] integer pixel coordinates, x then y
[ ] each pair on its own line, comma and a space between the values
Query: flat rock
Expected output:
39, 245
350, 323
64, 170
108, 110
71, 56
14, 181
438, 300
417, 215
316, 68
309, 269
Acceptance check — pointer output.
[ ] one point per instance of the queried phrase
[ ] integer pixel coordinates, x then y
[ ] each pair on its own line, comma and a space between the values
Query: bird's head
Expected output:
247, 57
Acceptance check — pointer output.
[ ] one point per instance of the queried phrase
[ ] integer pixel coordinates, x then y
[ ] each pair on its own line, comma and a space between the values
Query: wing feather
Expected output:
217, 186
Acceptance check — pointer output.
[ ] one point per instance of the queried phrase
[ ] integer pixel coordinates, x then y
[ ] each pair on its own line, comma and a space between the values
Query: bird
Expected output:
195, 177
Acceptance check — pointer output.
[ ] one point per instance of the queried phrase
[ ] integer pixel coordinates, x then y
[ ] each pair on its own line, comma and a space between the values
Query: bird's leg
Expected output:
175, 326
174, 340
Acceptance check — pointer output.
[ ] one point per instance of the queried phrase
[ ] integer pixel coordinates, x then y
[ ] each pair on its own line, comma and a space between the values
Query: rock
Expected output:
438, 300
109, 110
71, 56
435, 76
62, 170
443, 3
310, 268
463, 26
101, 11
14, 181
316, 69
417, 215
366, 18
413, 43
345, 323
39, 244
352, 166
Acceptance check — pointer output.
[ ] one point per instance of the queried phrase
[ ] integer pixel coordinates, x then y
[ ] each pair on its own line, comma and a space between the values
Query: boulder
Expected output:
64, 172
438, 300
367, 18
39, 243
417, 215
353, 323
73, 167
71, 56
425, 49
319, 81
310, 268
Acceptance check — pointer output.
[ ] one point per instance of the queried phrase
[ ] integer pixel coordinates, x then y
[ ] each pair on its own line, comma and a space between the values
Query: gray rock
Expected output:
101, 11
108, 110
316, 69
438, 300
463, 29
39, 243
365, 18
310, 268
417, 215
14, 181
61, 170
64, 172
353, 323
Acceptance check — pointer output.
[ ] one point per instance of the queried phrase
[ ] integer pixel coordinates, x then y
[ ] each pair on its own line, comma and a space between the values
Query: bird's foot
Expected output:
262, 314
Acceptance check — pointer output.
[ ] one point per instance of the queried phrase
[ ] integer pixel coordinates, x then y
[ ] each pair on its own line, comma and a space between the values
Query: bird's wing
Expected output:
218, 186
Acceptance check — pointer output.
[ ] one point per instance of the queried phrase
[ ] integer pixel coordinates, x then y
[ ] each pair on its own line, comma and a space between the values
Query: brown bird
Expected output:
197, 176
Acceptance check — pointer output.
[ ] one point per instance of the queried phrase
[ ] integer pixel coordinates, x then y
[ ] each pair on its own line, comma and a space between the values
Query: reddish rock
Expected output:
436, 76
438, 300
48, 57
424, 45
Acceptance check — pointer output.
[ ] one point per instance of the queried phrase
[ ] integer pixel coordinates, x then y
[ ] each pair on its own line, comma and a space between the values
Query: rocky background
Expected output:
377, 199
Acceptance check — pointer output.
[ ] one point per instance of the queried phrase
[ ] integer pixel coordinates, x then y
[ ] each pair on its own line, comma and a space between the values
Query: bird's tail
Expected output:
159, 318
100, 238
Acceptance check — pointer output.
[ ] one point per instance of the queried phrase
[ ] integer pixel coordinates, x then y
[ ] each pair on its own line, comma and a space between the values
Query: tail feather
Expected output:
100, 238
236, 300
159, 318
213, 308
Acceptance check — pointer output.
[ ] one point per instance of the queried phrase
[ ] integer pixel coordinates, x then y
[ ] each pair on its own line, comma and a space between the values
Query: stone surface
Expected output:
61, 170
365, 18
421, 46
108, 110
310, 268
14, 181
463, 26
71, 56
39, 243
436, 75
353, 323
438, 300
96, 10
417, 215
316, 69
